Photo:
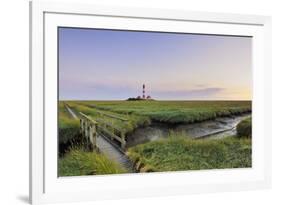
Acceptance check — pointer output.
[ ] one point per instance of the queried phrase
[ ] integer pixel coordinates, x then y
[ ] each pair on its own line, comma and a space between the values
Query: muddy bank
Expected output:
217, 128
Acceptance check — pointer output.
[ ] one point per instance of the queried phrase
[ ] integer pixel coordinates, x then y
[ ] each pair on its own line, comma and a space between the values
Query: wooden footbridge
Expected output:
104, 137
90, 129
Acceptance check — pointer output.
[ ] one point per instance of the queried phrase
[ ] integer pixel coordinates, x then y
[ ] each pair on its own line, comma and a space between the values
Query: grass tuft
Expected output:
244, 128
78, 162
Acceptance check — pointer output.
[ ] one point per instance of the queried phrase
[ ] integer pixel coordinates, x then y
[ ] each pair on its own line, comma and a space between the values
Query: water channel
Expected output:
211, 129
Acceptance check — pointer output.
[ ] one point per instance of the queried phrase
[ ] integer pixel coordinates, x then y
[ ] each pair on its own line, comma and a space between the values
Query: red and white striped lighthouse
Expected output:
143, 91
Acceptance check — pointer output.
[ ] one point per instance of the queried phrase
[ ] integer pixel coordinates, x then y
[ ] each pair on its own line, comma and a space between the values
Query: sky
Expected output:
96, 64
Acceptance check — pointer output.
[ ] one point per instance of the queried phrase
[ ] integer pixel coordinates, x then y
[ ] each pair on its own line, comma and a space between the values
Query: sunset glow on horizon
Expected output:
97, 64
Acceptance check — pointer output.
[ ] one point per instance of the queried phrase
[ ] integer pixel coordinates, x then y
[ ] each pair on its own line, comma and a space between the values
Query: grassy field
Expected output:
127, 115
174, 111
65, 119
176, 154
78, 162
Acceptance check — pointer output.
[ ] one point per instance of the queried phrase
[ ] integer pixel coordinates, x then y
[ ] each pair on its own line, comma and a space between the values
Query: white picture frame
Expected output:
46, 187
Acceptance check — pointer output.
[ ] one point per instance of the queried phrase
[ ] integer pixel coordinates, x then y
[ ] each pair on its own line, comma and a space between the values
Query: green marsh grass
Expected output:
244, 128
68, 129
65, 119
173, 112
177, 154
78, 162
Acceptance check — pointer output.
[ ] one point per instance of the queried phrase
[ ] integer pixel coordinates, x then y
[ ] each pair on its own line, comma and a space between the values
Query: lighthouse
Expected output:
143, 91
141, 97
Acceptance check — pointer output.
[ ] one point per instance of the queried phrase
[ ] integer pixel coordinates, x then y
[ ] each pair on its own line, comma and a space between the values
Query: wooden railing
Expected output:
102, 113
111, 116
90, 129
112, 132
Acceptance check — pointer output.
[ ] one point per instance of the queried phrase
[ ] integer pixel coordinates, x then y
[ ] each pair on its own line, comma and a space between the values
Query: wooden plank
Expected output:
111, 134
100, 121
112, 116
70, 111
88, 118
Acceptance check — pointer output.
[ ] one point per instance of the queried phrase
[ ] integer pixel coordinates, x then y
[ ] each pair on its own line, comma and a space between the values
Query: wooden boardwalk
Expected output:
106, 146
113, 153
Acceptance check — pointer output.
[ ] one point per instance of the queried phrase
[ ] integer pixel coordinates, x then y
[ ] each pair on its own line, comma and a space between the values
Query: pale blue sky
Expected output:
112, 65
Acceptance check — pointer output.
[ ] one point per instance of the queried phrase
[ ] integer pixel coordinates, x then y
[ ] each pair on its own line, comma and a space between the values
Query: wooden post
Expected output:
94, 130
88, 136
92, 136
82, 126
123, 143
88, 129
